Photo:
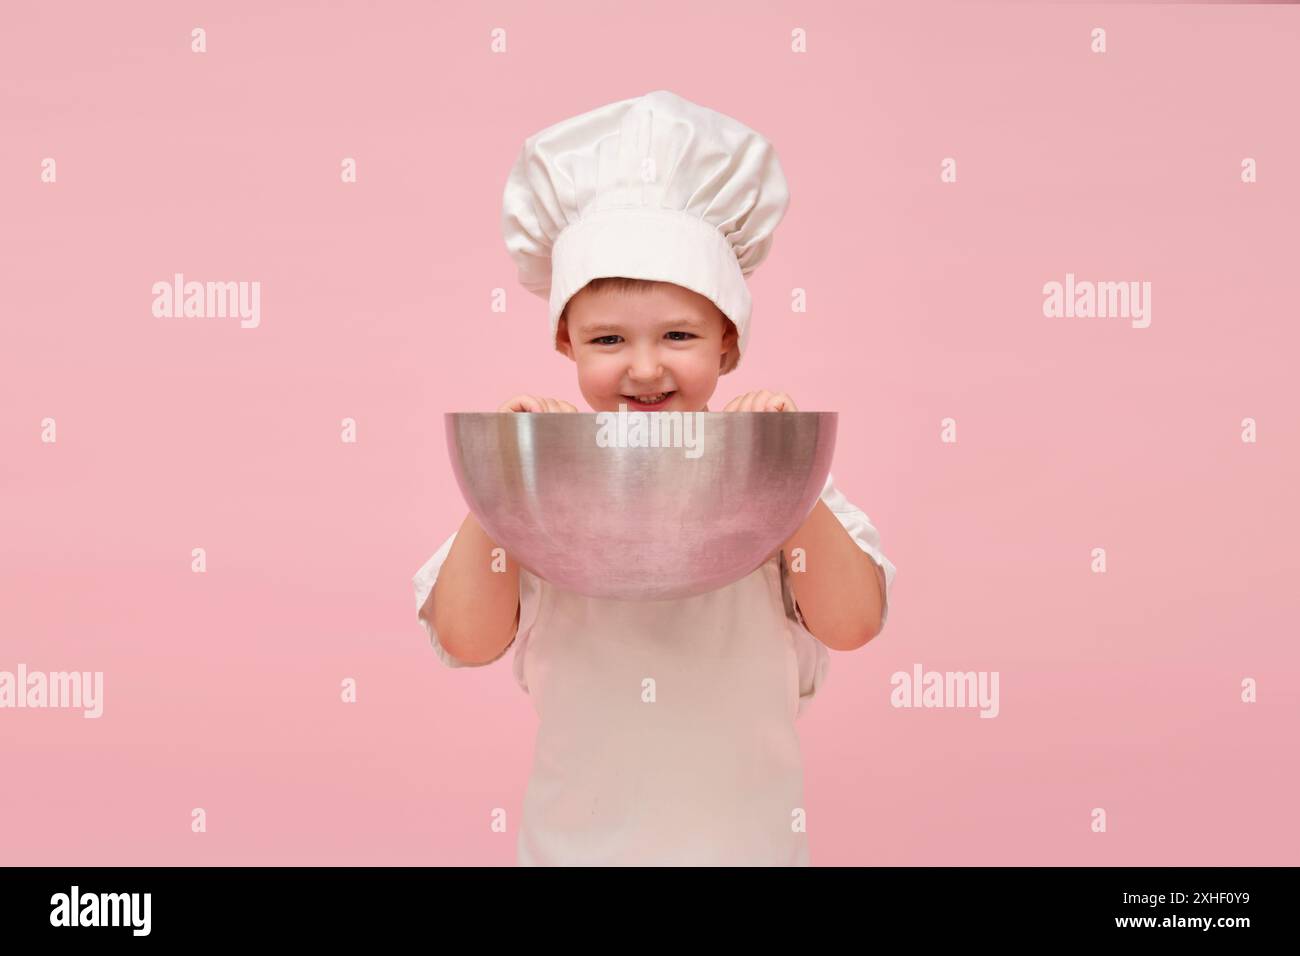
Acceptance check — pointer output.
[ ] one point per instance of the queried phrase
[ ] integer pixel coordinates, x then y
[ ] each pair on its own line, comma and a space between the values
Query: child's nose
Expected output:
646, 367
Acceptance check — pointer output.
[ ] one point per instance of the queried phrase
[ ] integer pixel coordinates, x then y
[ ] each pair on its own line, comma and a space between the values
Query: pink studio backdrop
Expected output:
1119, 690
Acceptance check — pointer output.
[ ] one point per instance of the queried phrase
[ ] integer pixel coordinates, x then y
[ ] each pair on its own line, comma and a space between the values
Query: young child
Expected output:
639, 221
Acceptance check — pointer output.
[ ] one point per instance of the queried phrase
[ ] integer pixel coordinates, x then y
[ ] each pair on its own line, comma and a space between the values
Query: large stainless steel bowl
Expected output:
571, 498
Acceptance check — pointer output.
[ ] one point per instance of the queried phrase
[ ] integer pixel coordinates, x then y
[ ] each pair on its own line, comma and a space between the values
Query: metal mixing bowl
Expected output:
570, 498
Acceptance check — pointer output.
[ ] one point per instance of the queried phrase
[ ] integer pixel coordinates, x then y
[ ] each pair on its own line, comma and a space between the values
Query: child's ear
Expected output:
729, 358
562, 343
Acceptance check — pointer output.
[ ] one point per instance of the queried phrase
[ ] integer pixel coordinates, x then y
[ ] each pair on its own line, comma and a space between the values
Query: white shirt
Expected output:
666, 732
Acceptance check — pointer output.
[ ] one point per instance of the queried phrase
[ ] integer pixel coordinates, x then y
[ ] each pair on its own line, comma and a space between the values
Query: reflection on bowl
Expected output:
641, 506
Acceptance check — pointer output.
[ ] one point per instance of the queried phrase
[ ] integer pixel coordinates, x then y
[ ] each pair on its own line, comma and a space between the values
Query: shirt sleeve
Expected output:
812, 655
864, 533
424, 580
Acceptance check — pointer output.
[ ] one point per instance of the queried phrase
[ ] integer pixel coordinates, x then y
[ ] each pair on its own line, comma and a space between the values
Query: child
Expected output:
666, 733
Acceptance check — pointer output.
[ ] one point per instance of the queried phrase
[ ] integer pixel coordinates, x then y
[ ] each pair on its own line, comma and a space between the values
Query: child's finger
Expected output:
521, 403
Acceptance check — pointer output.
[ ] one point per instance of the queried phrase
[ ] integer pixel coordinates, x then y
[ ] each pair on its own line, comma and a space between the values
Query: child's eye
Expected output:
603, 339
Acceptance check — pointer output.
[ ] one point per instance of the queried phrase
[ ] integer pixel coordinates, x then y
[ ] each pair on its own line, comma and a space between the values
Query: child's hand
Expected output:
762, 401
531, 403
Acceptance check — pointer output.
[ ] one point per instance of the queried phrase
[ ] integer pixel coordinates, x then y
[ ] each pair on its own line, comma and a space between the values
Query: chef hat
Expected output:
654, 187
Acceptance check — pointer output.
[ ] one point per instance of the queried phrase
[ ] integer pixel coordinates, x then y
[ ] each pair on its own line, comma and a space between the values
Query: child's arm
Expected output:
839, 590
475, 610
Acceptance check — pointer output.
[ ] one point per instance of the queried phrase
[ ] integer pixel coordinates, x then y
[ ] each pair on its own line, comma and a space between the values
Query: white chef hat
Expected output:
654, 187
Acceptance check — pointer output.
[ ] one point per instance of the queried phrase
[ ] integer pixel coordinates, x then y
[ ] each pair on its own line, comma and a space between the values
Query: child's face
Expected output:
643, 343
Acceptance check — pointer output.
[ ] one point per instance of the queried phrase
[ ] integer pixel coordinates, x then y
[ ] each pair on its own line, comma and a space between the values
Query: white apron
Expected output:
700, 768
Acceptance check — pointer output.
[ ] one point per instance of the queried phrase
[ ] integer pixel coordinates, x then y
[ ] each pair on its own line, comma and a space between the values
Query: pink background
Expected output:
1118, 690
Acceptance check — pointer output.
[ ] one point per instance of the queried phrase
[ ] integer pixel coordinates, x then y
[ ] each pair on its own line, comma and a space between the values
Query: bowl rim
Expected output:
636, 412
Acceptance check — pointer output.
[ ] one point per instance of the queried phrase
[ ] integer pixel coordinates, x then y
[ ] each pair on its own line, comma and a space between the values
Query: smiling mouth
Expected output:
663, 397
